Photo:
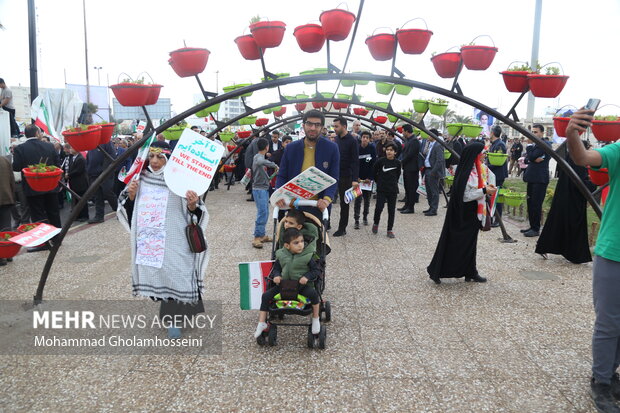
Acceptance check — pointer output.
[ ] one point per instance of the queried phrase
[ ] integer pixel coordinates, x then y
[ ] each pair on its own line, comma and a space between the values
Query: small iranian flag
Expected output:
138, 163
252, 283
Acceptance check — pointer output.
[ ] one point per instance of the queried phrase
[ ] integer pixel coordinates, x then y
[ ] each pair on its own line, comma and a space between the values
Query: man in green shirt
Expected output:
605, 383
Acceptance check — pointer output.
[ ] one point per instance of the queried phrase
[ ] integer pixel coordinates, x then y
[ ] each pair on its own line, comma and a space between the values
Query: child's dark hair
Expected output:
290, 234
297, 215
262, 144
391, 145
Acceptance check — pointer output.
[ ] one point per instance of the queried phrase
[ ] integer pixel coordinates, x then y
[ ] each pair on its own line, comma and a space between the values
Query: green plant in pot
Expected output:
438, 106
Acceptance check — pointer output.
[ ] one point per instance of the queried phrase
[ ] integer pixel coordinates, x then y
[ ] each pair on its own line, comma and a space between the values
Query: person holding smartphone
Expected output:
605, 382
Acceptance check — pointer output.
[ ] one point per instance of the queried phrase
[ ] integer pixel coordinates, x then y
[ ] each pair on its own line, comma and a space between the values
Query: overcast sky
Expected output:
135, 36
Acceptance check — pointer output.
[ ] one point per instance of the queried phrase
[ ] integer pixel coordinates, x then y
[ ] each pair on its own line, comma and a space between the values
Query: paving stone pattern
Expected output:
397, 341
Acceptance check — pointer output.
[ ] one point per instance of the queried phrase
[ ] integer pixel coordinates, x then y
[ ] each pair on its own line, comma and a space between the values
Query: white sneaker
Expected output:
260, 328
316, 325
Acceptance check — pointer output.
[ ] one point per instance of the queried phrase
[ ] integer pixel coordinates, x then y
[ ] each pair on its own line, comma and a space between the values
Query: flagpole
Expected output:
86, 53
32, 46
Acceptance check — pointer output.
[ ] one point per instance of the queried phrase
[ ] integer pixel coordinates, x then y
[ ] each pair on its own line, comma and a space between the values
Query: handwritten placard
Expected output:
193, 164
36, 236
151, 233
305, 185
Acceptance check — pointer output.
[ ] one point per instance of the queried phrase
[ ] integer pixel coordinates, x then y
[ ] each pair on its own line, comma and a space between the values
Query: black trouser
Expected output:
74, 201
104, 193
5, 218
21, 211
500, 207
432, 190
358, 203
535, 198
14, 126
391, 202
344, 183
305, 290
44, 208
411, 180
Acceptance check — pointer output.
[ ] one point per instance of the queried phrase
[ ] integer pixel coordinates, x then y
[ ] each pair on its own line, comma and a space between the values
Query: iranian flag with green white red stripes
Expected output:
252, 283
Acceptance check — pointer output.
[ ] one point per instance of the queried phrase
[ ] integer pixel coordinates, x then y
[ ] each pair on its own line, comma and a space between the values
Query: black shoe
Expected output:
44, 247
430, 213
401, 208
340, 233
602, 397
436, 280
82, 219
402, 200
426, 210
476, 278
250, 199
3, 262
531, 233
406, 211
522, 231
495, 225
357, 225
95, 221
365, 221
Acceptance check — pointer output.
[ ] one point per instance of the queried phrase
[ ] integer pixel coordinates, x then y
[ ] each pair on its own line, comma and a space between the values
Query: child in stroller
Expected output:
293, 273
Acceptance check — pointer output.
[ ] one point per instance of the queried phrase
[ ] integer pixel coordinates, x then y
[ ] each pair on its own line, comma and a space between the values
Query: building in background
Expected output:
160, 110
231, 109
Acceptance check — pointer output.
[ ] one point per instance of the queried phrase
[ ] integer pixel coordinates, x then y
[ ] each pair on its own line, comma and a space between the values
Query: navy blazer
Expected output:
500, 172
326, 159
536, 173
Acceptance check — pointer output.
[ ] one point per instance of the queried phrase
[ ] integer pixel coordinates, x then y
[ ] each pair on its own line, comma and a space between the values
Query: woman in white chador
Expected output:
164, 268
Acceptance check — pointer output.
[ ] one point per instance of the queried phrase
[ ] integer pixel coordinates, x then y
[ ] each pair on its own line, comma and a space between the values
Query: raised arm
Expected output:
579, 122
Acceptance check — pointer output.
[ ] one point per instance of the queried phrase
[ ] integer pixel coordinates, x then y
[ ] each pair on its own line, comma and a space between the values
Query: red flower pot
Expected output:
84, 140
280, 113
300, 106
546, 86
478, 57
310, 37
381, 46
606, 130
261, 121
107, 129
360, 111
336, 24
380, 119
447, 64
399, 129
268, 34
188, 61
42, 182
560, 124
131, 94
339, 105
413, 41
242, 134
248, 47
516, 81
8, 249
318, 105
600, 177
154, 94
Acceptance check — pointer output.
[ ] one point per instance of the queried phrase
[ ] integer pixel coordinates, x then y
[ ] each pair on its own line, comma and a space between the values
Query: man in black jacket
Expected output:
537, 177
410, 169
500, 172
96, 163
43, 205
349, 169
367, 157
77, 179
434, 171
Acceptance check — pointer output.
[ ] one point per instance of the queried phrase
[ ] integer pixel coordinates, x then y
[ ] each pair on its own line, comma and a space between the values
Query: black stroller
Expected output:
277, 310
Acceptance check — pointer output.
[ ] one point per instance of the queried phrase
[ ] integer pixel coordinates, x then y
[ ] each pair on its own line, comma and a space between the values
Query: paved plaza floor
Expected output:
396, 342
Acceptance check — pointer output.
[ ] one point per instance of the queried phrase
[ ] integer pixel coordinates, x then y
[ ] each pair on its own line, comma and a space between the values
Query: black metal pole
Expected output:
32, 46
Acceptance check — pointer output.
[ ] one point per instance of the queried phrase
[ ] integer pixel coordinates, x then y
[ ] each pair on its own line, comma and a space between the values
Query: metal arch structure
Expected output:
292, 80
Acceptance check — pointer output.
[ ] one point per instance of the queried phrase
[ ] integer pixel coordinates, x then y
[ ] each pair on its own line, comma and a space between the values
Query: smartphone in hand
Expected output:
592, 105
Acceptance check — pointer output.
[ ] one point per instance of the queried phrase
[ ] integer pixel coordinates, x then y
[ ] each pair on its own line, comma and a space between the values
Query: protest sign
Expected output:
36, 236
305, 185
193, 163
141, 126
352, 193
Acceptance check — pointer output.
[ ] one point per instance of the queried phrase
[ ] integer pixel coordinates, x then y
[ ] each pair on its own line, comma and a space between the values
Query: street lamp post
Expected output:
98, 69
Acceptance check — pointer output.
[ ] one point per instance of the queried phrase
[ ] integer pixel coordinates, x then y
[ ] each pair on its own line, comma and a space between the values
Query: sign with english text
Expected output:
193, 164
305, 186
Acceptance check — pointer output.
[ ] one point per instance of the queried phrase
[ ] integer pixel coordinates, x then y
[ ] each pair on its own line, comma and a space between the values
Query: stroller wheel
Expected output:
327, 311
310, 337
260, 340
273, 335
322, 337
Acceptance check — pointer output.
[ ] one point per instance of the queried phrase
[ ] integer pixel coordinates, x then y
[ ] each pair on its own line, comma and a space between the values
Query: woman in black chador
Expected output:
455, 255
566, 228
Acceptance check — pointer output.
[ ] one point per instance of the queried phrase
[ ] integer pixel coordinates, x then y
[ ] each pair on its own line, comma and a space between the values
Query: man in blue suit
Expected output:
537, 177
313, 150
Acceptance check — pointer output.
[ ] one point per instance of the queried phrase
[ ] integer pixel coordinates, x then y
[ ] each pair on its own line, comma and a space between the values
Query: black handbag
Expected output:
195, 236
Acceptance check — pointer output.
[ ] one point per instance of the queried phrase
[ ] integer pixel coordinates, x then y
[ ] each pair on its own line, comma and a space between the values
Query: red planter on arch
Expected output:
606, 130
310, 37
247, 47
600, 177
280, 113
360, 111
188, 61
381, 119
381, 46
261, 121
546, 86
478, 57
413, 41
516, 81
337, 24
447, 64
268, 33
300, 106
